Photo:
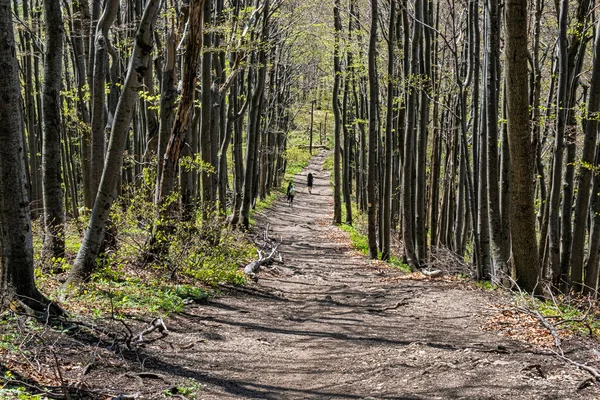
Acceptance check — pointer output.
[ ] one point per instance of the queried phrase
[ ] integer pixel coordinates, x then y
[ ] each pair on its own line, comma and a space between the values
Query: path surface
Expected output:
329, 324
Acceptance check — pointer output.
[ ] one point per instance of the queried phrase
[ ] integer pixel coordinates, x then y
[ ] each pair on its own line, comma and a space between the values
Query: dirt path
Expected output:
329, 324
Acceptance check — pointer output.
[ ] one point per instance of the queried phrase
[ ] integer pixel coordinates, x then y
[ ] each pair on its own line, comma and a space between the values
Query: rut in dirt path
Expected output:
329, 323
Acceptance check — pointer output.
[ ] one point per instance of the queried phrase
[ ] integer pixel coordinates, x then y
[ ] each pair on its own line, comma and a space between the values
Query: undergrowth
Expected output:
572, 314
197, 255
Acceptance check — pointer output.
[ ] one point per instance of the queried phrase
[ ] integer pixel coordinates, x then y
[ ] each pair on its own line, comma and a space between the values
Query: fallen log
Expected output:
315, 146
255, 265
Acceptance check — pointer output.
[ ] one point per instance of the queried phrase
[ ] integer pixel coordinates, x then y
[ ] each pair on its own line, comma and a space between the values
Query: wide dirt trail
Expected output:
330, 324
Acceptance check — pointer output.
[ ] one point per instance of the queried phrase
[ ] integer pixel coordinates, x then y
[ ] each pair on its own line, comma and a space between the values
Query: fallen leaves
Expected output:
520, 326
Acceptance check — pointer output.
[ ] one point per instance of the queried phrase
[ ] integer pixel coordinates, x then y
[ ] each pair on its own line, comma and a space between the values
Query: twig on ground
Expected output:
156, 324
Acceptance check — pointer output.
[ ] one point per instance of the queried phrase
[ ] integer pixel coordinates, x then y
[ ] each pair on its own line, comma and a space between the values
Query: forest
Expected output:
145, 141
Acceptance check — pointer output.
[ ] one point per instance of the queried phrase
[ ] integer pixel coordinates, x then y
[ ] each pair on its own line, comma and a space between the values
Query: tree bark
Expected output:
254, 115
408, 199
389, 133
185, 110
557, 162
373, 137
582, 201
500, 248
522, 213
54, 239
337, 70
16, 240
102, 42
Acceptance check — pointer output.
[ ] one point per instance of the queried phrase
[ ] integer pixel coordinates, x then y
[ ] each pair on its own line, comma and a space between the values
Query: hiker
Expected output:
291, 191
309, 182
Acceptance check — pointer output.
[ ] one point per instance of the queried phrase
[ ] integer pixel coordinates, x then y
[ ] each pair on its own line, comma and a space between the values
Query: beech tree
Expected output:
54, 219
16, 241
522, 213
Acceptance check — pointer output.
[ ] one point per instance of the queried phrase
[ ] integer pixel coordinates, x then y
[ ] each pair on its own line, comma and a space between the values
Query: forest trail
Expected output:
330, 324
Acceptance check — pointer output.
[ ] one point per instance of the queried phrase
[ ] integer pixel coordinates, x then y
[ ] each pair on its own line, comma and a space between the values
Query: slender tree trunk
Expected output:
254, 124
422, 139
337, 204
185, 110
500, 249
408, 199
585, 177
387, 180
102, 42
54, 239
16, 240
167, 107
522, 213
557, 163
373, 137
346, 178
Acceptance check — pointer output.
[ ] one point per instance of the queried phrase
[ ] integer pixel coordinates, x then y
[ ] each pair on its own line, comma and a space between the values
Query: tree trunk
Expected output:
254, 115
408, 195
500, 248
16, 239
557, 163
389, 133
522, 213
185, 111
337, 205
585, 176
54, 240
102, 42
373, 137
167, 106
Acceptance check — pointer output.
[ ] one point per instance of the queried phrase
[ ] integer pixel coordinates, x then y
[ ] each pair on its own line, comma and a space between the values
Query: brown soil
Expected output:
330, 324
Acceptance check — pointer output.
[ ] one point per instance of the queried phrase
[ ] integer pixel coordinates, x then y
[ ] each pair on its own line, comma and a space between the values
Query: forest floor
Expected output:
327, 323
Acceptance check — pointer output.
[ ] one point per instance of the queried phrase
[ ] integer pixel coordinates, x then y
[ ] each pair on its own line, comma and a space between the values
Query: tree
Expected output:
585, 176
373, 137
389, 142
256, 86
101, 45
522, 212
185, 110
337, 119
408, 192
54, 240
16, 241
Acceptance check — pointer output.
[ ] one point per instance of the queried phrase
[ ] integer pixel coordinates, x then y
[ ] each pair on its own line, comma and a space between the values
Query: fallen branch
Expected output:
255, 265
157, 323
432, 273
315, 146
252, 268
557, 342
593, 371
547, 325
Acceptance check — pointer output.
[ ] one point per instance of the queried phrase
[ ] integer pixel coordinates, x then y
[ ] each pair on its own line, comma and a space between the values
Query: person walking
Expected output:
291, 192
309, 182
